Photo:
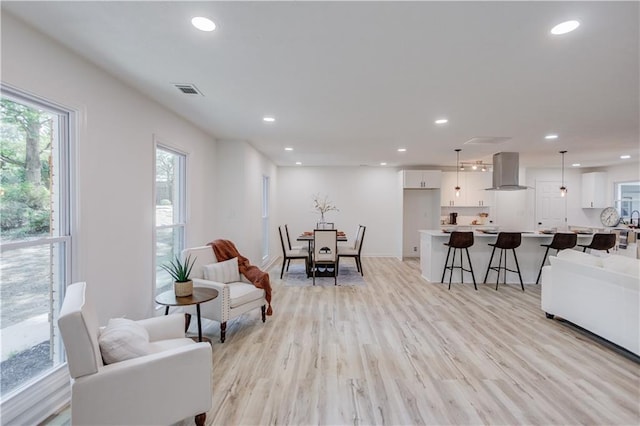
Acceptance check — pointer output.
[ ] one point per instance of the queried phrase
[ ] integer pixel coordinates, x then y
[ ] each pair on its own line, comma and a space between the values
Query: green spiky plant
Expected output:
179, 270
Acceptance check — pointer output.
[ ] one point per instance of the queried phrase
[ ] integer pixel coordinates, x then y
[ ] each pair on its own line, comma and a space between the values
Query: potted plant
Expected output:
180, 271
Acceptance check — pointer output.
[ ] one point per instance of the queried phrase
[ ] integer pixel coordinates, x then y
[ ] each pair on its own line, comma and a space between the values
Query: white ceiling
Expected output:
350, 82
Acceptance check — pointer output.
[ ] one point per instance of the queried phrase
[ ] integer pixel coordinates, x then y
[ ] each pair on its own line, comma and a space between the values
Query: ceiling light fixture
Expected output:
575, 165
442, 121
288, 148
552, 136
268, 119
383, 164
625, 157
203, 24
402, 149
565, 27
563, 189
298, 163
457, 188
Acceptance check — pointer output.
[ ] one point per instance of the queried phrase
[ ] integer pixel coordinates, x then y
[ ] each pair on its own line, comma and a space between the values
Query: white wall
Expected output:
240, 170
114, 157
370, 196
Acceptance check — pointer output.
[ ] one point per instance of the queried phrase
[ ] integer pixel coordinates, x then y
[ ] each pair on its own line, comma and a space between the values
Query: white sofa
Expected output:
234, 298
600, 294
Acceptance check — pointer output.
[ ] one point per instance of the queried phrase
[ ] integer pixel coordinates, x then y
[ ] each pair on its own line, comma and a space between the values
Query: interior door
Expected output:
551, 208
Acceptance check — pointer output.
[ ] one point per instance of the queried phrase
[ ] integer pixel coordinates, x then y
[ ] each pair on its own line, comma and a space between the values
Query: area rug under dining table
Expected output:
348, 275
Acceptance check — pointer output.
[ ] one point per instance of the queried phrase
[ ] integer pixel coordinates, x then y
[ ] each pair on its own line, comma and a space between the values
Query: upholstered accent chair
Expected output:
169, 383
235, 297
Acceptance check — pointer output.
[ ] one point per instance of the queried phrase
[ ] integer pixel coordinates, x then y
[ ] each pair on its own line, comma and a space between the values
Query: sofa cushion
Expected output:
223, 272
241, 293
580, 257
624, 265
123, 339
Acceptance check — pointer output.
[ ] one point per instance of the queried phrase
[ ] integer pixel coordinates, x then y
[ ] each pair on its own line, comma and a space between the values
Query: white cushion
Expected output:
123, 339
580, 257
223, 272
624, 265
241, 293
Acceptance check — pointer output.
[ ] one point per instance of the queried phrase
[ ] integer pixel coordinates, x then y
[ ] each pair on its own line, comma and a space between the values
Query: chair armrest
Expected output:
160, 388
164, 327
218, 308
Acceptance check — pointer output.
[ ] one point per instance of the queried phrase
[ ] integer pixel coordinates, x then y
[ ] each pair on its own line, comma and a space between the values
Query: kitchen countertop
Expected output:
525, 234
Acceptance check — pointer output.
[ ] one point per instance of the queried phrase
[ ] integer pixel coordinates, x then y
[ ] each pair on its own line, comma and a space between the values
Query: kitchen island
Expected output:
433, 254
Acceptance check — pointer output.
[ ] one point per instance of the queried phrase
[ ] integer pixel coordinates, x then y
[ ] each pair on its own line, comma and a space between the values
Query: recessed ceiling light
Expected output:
298, 163
565, 27
402, 149
268, 119
288, 148
625, 157
383, 164
441, 121
203, 24
552, 136
575, 165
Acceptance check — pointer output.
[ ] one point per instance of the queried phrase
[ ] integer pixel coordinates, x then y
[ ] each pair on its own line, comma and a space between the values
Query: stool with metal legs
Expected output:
505, 241
600, 242
459, 241
561, 241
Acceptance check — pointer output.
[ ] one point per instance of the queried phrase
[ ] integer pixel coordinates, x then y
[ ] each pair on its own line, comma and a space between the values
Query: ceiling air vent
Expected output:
188, 89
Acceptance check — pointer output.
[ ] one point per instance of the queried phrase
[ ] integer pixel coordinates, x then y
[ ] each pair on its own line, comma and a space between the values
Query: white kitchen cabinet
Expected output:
472, 189
594, 190
421, 179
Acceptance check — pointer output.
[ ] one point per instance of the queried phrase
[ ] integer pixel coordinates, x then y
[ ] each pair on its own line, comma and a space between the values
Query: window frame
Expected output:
47, 392
182, 224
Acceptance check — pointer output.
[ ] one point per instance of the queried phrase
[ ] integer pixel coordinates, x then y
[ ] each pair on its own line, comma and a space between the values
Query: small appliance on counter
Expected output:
453, 218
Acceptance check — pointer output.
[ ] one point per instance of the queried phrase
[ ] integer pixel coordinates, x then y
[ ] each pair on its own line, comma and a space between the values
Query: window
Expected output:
170, 205
628, 200
35, 237
265, 217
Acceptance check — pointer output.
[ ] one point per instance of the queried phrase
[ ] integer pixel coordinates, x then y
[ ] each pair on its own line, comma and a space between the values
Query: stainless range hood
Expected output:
505, 172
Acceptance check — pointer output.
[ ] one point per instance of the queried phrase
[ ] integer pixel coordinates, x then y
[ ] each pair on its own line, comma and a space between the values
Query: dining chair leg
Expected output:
446, 263
360, 266
489, 266
288, 264
500, 267
282, 270
541, 265
473, 277
518, 268
452, 263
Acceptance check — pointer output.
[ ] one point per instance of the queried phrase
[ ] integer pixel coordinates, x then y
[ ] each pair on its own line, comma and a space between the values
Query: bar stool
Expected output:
561, 241
600, 242
459, 240
505, 241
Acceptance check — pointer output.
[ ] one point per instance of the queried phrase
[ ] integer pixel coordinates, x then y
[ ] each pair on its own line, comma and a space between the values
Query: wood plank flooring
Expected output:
401, 350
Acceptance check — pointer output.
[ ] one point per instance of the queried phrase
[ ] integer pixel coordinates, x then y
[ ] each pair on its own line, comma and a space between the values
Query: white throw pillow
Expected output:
223, 272
123, 339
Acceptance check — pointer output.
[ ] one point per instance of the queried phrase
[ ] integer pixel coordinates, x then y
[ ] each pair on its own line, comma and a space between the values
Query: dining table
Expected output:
308, 237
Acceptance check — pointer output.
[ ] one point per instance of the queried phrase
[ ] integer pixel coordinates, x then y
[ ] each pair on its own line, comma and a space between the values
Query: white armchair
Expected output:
168, 385
234, 298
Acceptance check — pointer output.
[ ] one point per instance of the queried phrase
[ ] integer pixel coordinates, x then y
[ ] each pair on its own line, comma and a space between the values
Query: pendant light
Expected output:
457, 188
563, 189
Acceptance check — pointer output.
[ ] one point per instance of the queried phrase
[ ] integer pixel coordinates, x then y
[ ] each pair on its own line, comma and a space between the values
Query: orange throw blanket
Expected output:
225, 250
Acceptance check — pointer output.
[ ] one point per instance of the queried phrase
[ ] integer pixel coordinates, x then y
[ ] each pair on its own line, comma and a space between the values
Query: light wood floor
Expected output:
403, 351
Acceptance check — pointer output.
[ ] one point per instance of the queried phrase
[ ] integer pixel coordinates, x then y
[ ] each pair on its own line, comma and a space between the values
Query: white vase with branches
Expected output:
323, 205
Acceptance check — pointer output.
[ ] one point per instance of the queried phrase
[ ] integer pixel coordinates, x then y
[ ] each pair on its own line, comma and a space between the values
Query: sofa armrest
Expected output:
161, 388
164, 327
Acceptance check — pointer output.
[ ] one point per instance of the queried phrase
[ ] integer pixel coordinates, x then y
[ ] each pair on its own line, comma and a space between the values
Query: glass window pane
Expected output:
168, 246
170, 211
34, 236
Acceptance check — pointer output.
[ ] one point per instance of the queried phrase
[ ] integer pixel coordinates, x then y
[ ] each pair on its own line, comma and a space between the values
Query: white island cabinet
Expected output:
433, 254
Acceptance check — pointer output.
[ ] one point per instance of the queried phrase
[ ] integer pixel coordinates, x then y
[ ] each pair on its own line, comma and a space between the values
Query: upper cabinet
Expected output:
472, 189
421, 179
594, 190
